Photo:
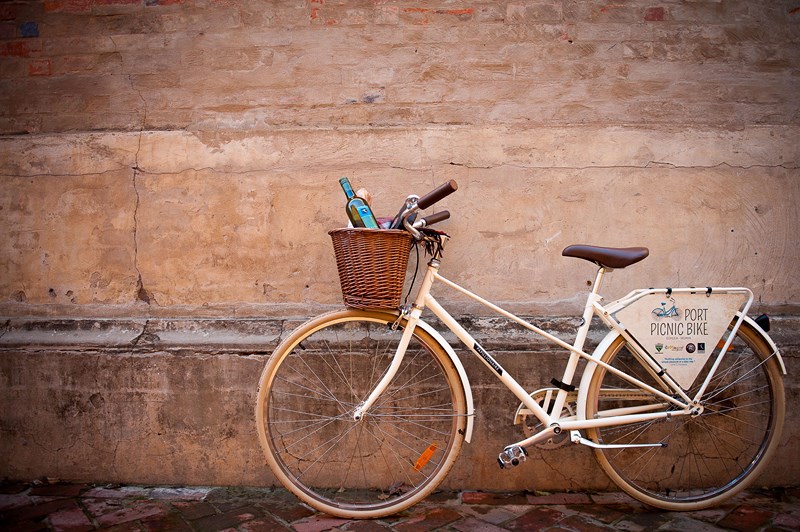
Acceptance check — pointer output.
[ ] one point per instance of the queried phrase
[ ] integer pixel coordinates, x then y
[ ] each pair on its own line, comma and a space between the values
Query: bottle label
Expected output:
367, 217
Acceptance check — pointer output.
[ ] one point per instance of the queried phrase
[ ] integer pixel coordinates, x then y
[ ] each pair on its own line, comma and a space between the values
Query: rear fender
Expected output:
764, 336
586, 378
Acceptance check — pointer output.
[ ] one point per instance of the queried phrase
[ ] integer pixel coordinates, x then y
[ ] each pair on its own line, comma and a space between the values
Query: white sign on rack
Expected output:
681, 330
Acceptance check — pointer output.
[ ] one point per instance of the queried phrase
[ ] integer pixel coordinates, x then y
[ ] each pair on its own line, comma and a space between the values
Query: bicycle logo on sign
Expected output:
665, 312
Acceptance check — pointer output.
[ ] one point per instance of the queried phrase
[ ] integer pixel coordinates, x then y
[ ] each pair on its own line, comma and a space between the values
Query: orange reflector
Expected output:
425, 457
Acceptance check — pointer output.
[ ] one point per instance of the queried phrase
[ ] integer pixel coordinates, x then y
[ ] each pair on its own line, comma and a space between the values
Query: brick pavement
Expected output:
83, 507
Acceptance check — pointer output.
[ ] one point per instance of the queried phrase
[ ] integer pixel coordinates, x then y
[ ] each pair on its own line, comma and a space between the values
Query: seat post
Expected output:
588, 310
601, 271
580, 338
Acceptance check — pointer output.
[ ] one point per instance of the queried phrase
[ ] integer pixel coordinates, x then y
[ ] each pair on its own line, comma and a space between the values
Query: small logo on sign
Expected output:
659, 347
690, 348
664, 312
701, 347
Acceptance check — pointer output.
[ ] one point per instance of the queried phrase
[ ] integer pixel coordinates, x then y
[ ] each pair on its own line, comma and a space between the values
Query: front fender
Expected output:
461, 373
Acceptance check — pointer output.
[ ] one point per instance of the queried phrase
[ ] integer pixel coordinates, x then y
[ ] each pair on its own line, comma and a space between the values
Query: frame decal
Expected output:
489, 360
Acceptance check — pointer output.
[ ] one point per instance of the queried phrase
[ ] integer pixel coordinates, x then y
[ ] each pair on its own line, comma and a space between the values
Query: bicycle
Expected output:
664, 312
362, 412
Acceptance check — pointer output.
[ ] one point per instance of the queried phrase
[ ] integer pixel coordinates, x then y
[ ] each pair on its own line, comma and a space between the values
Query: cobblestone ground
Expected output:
82, 507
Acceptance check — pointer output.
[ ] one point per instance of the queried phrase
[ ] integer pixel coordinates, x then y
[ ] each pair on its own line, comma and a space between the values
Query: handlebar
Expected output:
424, 202
432, 219
437, 194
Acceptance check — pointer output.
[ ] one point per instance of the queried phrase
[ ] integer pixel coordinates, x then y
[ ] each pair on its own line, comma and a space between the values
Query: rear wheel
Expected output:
708, 458
397, 453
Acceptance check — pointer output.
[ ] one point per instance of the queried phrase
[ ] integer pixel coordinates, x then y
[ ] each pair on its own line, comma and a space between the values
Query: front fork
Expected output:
397, 360
412, 318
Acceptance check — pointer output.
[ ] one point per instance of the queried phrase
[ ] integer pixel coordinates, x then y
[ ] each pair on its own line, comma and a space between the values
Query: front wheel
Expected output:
391, 458
708, 458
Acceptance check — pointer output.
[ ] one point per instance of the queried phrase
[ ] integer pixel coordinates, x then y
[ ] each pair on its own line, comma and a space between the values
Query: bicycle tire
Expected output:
403, 447
708, 458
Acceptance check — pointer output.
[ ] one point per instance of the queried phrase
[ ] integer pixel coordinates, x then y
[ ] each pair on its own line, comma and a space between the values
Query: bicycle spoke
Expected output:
336, 462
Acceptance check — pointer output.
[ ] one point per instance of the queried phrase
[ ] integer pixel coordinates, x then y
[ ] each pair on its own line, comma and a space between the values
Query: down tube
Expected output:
491, 363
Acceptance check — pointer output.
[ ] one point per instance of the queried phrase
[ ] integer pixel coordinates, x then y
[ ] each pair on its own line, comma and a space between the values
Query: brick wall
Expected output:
235, 65
171, 159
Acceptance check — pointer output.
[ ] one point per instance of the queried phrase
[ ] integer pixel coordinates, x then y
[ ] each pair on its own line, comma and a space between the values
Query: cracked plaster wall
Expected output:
184, 223
178, 162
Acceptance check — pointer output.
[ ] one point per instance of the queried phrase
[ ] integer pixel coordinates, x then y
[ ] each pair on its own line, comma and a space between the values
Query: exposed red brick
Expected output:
8, 30
655, 14
37, 512
68, 6
115, 2
474, 497
194, 509
435, 518
560, 498
536, 519
15, 49
746, 518
583, 524
8, 12
468, 11
603, 511
133, 512
230, 519
59, 489
72, 519
609, 7
790, 521
492, 498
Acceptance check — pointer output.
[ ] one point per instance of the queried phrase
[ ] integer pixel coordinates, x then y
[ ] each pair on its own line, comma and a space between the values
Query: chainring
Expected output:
531, 424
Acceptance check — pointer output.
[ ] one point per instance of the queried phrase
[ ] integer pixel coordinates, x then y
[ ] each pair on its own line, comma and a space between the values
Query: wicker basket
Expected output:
372, 266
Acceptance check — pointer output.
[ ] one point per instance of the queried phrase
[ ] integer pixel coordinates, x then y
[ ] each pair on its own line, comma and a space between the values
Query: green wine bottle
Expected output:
357, 209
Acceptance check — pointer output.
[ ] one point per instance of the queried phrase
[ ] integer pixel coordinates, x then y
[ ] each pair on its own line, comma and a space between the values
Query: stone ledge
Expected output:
70, 332
241, 334
245, 334
264, 334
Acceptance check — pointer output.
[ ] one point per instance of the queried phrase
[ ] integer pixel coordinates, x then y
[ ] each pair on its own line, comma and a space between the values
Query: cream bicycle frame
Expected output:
684, 404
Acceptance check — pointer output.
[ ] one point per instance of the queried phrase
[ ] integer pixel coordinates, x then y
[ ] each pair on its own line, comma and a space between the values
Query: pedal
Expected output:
512, 456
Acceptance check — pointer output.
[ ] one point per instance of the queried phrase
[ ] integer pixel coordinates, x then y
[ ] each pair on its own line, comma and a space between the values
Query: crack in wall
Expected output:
135, 341
142, 294
652, 165
648, 165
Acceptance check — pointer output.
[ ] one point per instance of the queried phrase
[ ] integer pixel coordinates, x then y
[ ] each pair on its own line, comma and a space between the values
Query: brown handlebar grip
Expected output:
437, 194
436, 218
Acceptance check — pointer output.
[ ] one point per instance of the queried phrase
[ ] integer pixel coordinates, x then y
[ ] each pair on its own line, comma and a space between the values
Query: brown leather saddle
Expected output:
609, 258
